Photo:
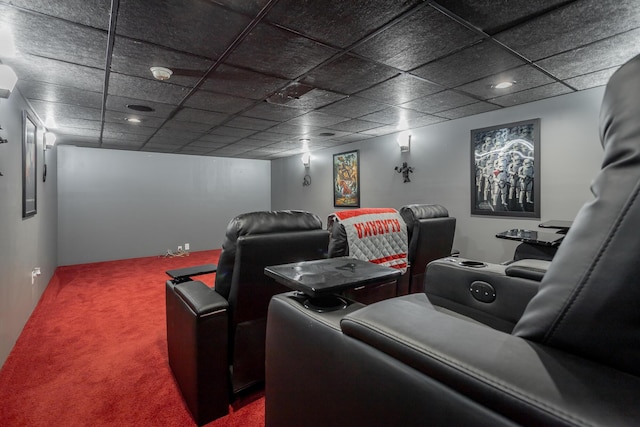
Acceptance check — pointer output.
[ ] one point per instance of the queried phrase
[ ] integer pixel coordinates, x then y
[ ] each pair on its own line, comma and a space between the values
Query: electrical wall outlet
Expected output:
179, 248
186, 246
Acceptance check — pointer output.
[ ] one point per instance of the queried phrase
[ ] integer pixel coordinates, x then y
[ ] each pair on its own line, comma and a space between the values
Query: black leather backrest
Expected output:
431, 231
251, 289
256, 223
589, 299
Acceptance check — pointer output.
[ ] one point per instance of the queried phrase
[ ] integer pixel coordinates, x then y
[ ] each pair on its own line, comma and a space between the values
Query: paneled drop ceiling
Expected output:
253, 78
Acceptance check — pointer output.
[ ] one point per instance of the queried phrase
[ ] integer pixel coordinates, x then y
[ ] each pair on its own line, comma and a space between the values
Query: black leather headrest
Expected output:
272, 222
258, 223
414, 213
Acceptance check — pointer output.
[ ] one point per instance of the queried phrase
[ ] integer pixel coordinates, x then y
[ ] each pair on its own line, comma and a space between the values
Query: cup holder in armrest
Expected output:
325, 304
474, 264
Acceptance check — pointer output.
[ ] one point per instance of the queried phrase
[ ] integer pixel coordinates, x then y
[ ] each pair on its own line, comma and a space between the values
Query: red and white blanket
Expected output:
377, 235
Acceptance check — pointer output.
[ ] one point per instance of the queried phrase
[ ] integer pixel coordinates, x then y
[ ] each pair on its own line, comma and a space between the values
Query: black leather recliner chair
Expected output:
571, 360
216, 337
431, 231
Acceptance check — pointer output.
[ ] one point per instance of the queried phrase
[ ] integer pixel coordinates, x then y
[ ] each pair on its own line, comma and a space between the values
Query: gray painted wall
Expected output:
570, 157
123, 204
24, 243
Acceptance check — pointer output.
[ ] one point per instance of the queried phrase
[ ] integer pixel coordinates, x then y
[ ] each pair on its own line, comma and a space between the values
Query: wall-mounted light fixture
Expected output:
8, 80
306, 159
49, 140
404, 141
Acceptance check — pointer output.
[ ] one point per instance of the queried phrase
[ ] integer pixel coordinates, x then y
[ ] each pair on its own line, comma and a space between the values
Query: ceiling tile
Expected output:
70, 123
240, 82
230, 131
145, 89
316, 119
287, 129
531, 95
218, 139
219, 102
392, 116
113, 136
198, 27
525, 77
493, 16
135, 58
93, 13
269, 136
354, 125
606, 53
577, 24
472, 63
278, 52
34, 90
422, 37
186, 126
250, 123
357, 74
337, 23
47, 37
382, 130
69, 110
440, 101
33, 68
353, 107
200, 116
250, 142
587, 81
180, 135
125, 128
207, 144
468, 110
425, 120
401, 89
265, 110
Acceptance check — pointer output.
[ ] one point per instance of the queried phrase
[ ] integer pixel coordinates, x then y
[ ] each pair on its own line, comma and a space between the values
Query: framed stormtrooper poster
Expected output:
505, 170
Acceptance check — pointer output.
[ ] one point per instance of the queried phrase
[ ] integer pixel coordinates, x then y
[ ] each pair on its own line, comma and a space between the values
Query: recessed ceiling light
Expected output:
503, 85
326, 134
132, 119
137, 107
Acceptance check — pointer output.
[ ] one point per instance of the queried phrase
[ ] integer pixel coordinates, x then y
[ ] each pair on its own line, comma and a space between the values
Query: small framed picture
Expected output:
346, 179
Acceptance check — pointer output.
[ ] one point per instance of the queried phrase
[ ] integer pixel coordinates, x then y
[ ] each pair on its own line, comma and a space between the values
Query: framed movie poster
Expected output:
29, 166
346, 179
505, 170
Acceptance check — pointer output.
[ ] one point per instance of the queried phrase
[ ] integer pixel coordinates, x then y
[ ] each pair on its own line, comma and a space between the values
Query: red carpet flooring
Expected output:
94, 352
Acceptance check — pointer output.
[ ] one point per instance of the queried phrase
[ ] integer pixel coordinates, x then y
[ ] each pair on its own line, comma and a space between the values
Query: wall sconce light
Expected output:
306, 159
8, 80
49, 140
404, 141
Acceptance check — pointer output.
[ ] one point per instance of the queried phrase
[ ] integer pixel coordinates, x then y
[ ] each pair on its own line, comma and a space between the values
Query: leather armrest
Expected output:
533, 269
527, 382
200, 298
452, 283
